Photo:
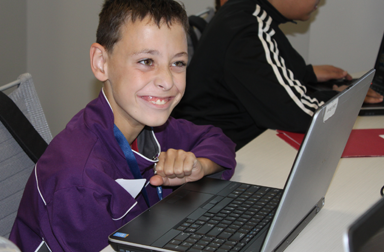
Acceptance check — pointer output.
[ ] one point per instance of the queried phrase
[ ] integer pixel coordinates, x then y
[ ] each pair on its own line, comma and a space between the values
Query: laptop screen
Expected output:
374, 243
379, 66
367, 232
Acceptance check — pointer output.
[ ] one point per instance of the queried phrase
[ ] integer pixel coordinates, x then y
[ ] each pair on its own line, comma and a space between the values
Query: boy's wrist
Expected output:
208, 166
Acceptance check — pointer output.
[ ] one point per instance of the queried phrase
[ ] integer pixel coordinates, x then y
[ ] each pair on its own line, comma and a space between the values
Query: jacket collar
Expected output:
149, 147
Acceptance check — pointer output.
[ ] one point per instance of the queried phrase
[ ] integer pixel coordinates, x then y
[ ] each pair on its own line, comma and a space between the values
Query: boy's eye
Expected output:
179, 64
147, 62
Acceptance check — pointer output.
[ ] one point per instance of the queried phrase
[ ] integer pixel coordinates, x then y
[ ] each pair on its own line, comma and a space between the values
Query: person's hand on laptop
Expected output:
176, 167
328, 72
371, 97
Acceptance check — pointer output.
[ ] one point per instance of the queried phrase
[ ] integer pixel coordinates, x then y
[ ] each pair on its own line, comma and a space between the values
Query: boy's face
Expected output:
146, 73
296, 9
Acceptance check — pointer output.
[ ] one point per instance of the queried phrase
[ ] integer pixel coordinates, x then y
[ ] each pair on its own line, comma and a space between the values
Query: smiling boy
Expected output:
89, 182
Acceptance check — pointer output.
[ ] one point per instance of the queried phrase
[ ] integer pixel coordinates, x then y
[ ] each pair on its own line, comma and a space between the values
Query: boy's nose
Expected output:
164, 79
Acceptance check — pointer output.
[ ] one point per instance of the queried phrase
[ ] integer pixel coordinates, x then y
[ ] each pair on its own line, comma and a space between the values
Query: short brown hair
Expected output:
116, 12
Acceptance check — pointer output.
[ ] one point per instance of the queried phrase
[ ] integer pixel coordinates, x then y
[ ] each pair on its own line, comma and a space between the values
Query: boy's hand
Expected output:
371, 97
328, 72
176, 167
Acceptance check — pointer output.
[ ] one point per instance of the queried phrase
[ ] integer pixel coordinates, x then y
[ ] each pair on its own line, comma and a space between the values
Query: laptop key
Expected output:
186, 244
214, 245
175, 247
209, 249
215, 232
220, 205
194, 250
226, 247
202, 243
237, 236
205, 229
238, 247
182, 237
175, 242
224, 235
181, 228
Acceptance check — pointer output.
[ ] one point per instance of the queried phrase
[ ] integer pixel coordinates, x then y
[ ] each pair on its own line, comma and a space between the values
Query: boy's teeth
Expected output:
158, 102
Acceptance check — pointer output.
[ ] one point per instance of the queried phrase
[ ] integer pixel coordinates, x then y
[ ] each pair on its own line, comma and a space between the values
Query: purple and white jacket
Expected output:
74, 197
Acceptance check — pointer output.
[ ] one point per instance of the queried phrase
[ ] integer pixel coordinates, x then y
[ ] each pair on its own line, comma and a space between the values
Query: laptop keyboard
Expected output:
229, 223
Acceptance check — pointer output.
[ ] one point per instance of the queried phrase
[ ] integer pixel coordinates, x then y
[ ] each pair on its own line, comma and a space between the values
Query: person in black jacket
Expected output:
245, 76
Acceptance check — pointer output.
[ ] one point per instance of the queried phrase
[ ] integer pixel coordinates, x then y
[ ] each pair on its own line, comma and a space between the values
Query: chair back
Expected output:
197, 24
24, 135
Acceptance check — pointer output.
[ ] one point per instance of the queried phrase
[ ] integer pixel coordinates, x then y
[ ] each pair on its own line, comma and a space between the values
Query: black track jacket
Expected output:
245, 76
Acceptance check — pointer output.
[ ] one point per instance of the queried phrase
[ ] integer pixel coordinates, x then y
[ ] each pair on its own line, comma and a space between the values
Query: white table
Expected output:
267, 160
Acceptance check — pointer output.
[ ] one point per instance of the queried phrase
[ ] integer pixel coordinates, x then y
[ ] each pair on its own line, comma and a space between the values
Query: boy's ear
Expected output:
98, 56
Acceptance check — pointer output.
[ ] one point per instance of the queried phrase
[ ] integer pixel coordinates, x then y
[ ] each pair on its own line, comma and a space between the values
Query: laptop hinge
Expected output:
296, 231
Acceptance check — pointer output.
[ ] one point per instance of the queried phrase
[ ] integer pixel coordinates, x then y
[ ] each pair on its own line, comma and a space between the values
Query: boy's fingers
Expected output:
166, 160
339, 88
373, 93
348, 77
159, 168
189, 164
169, 164
175, 164
373, 97
370, 99
156, 180
179, 164
183, 164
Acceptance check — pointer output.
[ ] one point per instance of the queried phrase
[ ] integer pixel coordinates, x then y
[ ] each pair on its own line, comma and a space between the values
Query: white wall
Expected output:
343, 33
347, 33
59, 37
13, 42
196, 6
51, 40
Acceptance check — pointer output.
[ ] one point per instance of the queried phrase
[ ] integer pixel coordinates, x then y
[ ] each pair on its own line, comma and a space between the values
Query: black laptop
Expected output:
366, 233
377, 84
218, 215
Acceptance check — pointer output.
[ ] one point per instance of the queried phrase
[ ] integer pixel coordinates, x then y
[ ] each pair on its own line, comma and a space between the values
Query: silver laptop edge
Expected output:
286, 221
